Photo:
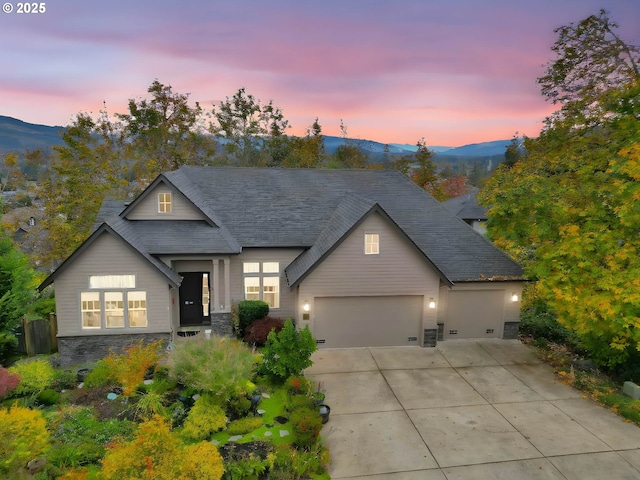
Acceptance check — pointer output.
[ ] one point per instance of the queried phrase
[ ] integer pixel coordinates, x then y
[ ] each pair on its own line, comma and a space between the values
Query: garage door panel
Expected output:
367, 321
474, 314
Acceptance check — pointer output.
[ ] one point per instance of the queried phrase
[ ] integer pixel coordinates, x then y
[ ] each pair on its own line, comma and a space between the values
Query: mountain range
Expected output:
18, 136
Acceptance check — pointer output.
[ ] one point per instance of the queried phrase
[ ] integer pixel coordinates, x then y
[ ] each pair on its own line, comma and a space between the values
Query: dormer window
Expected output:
164, 203
371, 244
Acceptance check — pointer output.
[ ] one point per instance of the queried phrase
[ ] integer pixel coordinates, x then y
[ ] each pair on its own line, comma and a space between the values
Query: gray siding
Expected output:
110, 256
282, 255
397, 270
182, 209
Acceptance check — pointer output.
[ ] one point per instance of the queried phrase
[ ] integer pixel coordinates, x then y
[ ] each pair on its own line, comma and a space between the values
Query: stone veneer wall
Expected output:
511, 330
221, 324
430, 337
77, 350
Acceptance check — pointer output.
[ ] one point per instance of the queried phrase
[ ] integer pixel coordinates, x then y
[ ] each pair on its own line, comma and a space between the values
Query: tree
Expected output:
164, 132
308, 151
350, 154
424, 172
514, 151
591, 60
568, 211
246, 126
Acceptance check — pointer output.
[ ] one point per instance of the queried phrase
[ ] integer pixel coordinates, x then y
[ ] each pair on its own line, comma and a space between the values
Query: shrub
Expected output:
131, 366
298, 402
298, 385
244, 425
248, 467
149, 404
100, 376
218, 365
287, 353
8, 382
35, 375
306, 424
64, 379
155, 453
250, 311
24, 436
539, 321
205, 417
238, 404
75, 425
48, 397
258, 331
8, 342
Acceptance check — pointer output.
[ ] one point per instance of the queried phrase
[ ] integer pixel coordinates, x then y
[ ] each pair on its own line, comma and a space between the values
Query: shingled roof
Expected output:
272, 207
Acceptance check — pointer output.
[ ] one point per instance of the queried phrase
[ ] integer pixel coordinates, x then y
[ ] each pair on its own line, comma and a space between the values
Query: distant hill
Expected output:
18, 136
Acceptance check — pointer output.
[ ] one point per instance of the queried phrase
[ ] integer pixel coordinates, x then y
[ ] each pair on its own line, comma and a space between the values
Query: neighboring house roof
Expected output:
305, 208
466, 207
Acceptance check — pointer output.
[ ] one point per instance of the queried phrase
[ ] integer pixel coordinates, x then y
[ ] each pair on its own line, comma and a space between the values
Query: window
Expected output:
371, 243
271, 291
110, 303
252, 288
164, 203
262, 284
114, 309
137, 308
91, 311
112, 281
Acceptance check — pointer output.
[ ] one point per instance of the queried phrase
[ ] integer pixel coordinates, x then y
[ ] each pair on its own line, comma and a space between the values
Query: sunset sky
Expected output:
454, 72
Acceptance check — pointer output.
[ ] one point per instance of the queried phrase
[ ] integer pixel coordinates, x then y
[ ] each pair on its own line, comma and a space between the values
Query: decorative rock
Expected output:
235, 438
195, 396
215, 442
266, 395
35, 465
632, 390
283, 433
148, 382
260, 412
267, 433
81, 385
111, 396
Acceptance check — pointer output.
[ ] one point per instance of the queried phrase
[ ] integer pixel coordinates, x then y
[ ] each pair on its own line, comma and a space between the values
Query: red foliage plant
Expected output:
8, 382
257, 332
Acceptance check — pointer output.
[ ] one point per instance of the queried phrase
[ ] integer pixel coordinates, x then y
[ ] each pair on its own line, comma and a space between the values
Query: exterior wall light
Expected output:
306, 307
432, 303
514, 297
305, 311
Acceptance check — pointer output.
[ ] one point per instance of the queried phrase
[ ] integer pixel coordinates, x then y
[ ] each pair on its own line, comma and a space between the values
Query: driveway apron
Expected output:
467, 409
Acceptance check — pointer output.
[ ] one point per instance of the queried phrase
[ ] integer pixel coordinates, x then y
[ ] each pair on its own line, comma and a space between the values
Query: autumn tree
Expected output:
350, 153
568, 208
307, 151
164, 132
424, 172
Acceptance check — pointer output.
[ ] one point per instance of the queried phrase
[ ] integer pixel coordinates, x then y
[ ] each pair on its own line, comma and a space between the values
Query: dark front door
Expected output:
191, 290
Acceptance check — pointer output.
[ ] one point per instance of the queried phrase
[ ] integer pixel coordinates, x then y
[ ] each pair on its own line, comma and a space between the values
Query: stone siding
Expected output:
430, 337
77, 350
511, 330
221, 324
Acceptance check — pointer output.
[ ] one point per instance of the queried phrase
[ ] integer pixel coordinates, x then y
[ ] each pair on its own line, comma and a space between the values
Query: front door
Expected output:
194, 298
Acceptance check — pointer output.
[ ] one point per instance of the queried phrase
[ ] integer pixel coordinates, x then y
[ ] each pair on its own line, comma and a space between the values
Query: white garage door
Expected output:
367, 321
474, 314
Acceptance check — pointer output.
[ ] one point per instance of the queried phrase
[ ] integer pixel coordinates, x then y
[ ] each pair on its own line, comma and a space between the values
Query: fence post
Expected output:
27, 336
53, 331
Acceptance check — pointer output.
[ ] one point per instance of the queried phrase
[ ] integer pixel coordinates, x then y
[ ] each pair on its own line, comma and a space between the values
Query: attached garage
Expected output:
475, 314
367, 321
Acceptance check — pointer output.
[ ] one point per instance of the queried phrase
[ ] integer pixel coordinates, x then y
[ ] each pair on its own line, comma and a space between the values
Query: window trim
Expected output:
261, 271
102, 311
371, 243
165, 202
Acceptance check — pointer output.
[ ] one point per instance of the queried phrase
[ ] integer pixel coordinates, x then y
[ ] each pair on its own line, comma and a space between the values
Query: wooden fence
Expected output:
37, 337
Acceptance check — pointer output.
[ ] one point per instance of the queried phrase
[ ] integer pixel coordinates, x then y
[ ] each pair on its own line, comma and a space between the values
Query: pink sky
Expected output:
454, 72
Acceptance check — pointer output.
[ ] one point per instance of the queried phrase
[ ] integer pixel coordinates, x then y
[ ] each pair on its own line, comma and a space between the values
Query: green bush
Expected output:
219, 365
78, 425
250, 311
36, 375
48, 397
298, 385
540, 322
244, 425
306, 423
298, 402
205, 417
8, 342
238, 404
287, 353
100, 376
64, 380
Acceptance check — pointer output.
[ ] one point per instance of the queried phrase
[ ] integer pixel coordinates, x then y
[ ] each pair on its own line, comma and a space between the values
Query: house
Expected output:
466, 207
363, 257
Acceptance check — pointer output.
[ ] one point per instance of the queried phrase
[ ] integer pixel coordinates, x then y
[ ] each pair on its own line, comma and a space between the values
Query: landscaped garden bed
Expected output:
205, 409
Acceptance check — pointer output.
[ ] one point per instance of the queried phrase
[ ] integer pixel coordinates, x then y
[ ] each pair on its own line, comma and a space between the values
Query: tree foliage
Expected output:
569, 208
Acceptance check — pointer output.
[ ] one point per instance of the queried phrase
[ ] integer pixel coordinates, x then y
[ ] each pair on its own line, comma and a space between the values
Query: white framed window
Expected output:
164, 202
271, 291
91, 309
112, 281
270, 267
137, 308
251, 267
371, 244
252, 288
114, 309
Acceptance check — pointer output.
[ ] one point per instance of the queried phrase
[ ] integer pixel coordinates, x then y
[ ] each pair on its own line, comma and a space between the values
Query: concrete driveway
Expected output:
467, 409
